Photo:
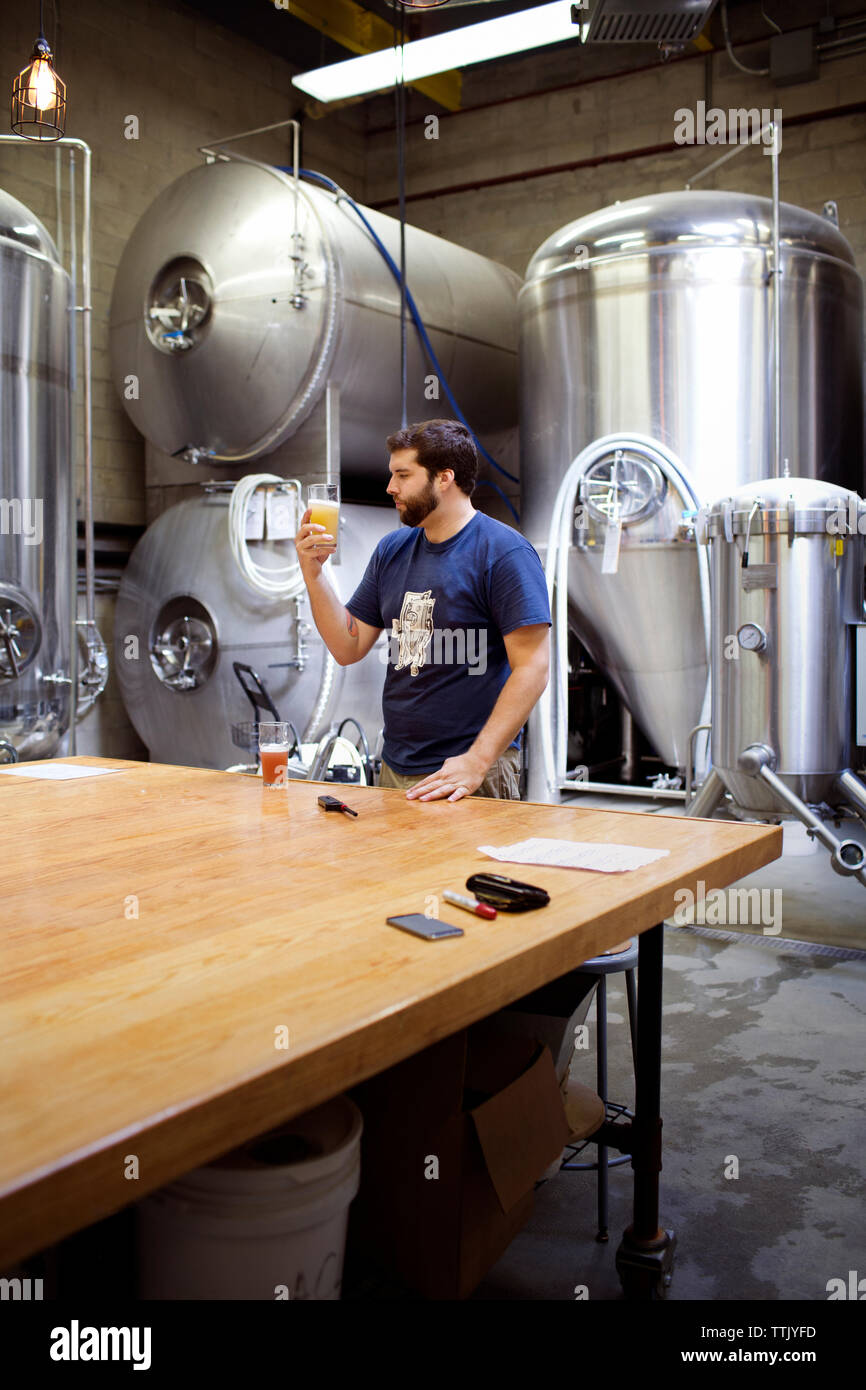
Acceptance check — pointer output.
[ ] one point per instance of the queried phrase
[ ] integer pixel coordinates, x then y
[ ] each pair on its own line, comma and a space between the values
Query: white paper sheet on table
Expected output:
57, 772
575, 854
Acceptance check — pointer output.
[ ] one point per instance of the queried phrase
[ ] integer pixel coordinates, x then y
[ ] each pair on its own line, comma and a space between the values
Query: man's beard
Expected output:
418, 508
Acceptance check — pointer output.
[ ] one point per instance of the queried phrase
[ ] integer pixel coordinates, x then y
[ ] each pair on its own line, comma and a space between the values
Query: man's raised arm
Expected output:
346, 637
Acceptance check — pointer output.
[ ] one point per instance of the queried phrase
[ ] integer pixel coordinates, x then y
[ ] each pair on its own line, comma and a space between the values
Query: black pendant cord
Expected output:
400, 109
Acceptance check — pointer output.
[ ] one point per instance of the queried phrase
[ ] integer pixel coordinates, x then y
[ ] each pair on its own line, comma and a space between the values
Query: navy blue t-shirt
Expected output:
445, 609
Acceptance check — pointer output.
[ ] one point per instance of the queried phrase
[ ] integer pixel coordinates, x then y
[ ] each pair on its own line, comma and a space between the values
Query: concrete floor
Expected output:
763, 1062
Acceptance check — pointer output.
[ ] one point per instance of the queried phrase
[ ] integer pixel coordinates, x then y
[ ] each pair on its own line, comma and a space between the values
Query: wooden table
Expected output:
162, 927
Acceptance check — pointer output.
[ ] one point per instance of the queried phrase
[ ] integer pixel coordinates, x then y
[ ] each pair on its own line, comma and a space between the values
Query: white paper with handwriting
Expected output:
575, 854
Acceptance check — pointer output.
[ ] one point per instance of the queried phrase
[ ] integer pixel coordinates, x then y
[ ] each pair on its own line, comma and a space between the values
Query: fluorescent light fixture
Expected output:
458, 48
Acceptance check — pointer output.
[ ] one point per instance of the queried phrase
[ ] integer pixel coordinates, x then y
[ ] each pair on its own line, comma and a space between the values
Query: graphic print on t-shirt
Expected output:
413, 629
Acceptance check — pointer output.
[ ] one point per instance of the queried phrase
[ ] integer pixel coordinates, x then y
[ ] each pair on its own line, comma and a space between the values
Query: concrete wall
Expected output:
599, 122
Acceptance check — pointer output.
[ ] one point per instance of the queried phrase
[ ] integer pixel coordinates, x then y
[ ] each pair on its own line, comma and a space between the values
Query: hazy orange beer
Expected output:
274, 753
323, 500
274, 764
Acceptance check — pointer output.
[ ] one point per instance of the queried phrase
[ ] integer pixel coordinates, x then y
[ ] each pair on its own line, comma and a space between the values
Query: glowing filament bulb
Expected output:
41, 85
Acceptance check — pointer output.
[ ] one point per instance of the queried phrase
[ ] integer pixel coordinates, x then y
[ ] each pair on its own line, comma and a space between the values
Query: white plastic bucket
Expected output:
266, 1221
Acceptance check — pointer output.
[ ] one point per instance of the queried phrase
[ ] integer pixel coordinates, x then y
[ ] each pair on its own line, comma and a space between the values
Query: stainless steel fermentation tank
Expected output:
37, 569
237, 300
787, 580
185, 615
646, 345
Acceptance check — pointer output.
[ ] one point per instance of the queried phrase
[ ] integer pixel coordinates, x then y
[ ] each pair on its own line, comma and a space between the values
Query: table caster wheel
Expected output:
645, 1274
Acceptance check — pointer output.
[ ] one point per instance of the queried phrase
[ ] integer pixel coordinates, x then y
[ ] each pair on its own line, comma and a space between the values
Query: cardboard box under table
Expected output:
454, 1140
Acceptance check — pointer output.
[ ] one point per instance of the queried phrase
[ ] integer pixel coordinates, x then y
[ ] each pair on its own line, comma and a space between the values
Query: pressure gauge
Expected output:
751, 637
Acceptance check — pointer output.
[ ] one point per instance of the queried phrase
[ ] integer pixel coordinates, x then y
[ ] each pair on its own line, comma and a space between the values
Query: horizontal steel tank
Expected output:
236, 301
37, 559
786, 566
185, 615
646, 340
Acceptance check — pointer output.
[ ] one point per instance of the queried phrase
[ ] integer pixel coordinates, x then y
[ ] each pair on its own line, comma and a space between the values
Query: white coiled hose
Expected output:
280, 581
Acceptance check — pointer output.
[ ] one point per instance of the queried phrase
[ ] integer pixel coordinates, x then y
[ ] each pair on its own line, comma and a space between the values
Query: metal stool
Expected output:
600, 967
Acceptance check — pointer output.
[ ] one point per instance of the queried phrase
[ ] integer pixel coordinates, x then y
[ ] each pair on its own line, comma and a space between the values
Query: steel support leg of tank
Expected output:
709, 795
847, 857
645, 1257
850, 786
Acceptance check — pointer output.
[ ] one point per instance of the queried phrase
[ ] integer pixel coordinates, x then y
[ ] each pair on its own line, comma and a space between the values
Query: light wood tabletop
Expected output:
166, 930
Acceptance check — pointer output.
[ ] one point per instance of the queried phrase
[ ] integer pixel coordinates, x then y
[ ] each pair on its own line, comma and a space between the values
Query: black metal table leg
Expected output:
645, 1257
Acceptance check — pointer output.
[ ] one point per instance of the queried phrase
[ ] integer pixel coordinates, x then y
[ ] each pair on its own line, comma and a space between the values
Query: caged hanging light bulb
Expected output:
39, 95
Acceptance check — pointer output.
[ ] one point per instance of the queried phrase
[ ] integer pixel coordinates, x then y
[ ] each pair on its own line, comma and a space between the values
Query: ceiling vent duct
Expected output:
642, 21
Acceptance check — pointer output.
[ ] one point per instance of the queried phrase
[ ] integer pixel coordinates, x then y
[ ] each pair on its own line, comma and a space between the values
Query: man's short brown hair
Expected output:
441, 444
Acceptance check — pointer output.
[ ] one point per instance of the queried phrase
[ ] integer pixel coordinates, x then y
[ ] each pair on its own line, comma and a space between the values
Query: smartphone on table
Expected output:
430, 928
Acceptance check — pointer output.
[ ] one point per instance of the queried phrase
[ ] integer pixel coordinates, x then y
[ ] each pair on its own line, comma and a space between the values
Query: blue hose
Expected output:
323, 179
485, 482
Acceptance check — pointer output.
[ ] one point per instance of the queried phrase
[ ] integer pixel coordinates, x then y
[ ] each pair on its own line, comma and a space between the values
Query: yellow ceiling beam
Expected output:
363, 32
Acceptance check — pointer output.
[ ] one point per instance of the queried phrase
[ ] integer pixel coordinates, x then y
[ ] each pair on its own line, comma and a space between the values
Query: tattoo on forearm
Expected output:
351, 624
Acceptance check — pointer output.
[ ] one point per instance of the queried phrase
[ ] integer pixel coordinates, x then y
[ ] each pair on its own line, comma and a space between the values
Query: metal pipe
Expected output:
73, 452
853, 790
847, 857
212, 150
708, 797
756, 507
296, 161
690, 756
332, 433
58, 203
841, 43
777, 314
845, 53
756, 139
322, 756
617, 789
87, 351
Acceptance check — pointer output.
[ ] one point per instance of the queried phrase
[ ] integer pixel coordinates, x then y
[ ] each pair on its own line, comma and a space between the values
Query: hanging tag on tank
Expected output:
254, 525
610, 557
280, 516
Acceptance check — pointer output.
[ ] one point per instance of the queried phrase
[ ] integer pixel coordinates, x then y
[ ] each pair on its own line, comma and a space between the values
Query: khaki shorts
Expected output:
502, 778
